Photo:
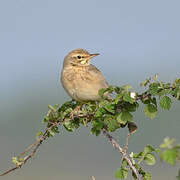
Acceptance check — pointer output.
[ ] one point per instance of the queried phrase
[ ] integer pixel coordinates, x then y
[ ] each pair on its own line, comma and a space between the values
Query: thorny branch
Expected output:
125, 156
32, 149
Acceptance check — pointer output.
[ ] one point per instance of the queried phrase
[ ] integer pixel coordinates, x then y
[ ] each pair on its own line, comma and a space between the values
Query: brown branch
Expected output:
125, 156
32, 149
127, 143
36, 145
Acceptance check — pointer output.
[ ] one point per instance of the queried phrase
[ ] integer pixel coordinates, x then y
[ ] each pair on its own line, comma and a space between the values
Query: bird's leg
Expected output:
75, 111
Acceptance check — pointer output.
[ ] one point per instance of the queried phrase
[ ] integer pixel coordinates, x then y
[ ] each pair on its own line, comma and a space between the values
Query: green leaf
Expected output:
124, 163
153, 88
150, 159
150, 111
118, 98
99, 113
17, 161
124, 117
169, 156
131, 107
144, 83
127, 87
121, 173
165, 102
149, 149
51, 133
97, 126
168, 143
110, 108
128, 98
111, 123
53, 108
138, 155
102, 91
95, 131
147, 176
39, 134
176, 92
71, 125
153, 100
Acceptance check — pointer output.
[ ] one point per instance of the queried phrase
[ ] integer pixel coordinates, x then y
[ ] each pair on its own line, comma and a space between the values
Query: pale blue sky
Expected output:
135, 39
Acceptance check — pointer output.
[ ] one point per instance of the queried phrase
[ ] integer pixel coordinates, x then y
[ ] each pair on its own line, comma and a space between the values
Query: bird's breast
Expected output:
81, 83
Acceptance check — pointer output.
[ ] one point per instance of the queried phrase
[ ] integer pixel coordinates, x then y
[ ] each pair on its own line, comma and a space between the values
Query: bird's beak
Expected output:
93, 55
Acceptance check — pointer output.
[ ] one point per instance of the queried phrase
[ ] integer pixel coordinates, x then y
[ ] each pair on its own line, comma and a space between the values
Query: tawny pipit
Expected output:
80, 79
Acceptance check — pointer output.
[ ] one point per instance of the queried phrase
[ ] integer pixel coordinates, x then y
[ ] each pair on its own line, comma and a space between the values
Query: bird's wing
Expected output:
95, 72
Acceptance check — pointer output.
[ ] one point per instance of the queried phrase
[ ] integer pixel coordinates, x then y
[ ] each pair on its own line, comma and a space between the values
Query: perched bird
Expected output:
80, 79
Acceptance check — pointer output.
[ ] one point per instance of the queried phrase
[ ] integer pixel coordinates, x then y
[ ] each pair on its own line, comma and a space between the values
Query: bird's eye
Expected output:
79, 57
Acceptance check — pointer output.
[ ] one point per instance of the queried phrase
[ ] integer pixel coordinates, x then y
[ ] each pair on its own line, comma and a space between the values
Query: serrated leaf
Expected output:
168, 142
150, 159
147, 176
53, 108
99, 113
153, 100
110, 108
124, 163
127, 87
118, 98
169, 156
98, 125
111, 123
150, 111
121, 173
68, 126
95, 131
51, 132
102, 91
128, 98
124, 117
131, 107
165, 102
144, 83
149, 149
138, 155
153, 88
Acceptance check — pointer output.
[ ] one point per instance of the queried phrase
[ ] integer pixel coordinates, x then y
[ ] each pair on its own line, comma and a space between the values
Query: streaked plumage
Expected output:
80, 79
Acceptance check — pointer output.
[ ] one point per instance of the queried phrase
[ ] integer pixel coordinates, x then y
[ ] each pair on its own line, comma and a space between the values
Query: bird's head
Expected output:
79, 57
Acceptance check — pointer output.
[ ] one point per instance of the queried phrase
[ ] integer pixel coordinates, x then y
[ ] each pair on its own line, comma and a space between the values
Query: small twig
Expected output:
125, 156
36, 145
127, 143
28, 149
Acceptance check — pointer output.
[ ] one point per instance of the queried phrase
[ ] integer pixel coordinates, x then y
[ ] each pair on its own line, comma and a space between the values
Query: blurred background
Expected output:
135, 39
